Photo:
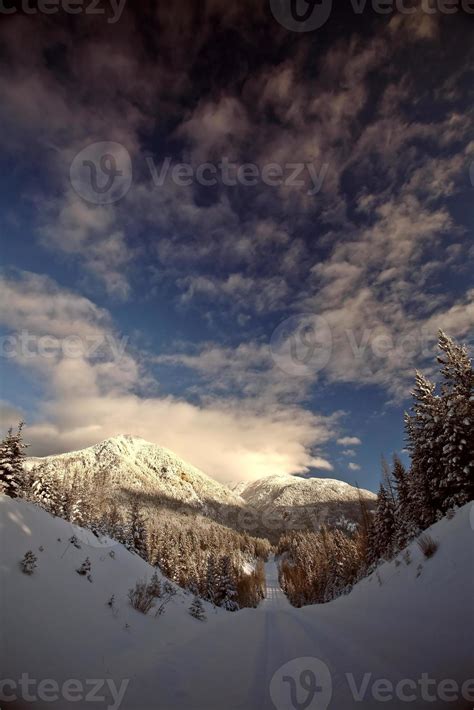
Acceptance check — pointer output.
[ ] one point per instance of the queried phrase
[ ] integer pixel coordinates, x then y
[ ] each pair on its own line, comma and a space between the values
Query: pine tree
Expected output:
424, 428
211, 579
405, 528
11, 462
197, 609
457, 459
136, 530
154, 586
45, 491
227, 590
28, 563
384, 524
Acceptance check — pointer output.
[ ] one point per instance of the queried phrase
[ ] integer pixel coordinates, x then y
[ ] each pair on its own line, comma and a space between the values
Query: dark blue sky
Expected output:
228, 237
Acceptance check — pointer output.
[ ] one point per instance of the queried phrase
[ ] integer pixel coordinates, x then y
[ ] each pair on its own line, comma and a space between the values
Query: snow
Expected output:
396, 624
133, 463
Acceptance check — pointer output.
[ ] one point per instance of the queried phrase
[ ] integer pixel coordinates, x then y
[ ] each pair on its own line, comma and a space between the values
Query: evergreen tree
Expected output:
211, 579
456, 463
197, 609
136, 530
28, 563
424, 428
405, 527
45, 491
384, 524
154, 586
11, 462
227, 591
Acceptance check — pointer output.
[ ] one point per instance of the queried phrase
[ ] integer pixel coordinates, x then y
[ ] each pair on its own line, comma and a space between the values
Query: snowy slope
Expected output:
131, 463
56, 624
402, 622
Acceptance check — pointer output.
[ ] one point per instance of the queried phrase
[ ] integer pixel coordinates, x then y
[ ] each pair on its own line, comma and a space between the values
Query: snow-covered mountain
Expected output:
284, 490
128, 463
303, 502
268, 506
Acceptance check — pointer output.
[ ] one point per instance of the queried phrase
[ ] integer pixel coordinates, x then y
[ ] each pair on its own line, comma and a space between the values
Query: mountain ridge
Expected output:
130, 464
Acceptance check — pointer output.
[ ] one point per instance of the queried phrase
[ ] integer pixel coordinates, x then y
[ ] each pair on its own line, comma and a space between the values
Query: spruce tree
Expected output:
227, 591
405, 527
45, 491
424, 427
197, 609
384, 524
28, 563
136, 530
457, 458
11, 462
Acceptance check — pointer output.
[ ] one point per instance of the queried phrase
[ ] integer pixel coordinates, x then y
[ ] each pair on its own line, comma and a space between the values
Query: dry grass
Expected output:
427, 545
141, 597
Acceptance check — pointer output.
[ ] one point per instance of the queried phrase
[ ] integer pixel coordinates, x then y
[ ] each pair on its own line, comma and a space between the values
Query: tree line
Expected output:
318, 566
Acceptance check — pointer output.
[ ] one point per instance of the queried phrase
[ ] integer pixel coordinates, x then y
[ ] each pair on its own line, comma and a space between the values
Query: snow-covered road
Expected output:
275, 599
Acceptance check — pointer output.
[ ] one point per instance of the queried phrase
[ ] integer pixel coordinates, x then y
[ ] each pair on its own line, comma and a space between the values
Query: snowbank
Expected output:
406, 625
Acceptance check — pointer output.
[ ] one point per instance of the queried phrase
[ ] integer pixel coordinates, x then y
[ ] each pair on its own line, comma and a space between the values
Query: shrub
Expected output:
427, 545
28, 563
141, 598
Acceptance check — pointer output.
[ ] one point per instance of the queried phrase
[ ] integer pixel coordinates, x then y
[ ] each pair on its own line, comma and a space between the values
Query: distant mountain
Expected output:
123, 465
300, 503
127, 464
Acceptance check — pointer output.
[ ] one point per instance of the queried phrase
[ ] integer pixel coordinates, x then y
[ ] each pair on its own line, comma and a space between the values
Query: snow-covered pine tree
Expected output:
28, 563
457, 456
154, 586
197, 609
211, 583
11, 462
136, 538
227, 591
424, 431
45, 491
384, 525
405, 528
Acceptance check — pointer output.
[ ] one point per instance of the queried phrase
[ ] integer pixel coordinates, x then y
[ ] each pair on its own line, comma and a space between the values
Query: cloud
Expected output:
90, 398
349, 441
354, 466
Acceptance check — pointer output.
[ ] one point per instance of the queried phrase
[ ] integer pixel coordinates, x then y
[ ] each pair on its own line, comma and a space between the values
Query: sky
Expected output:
232, 230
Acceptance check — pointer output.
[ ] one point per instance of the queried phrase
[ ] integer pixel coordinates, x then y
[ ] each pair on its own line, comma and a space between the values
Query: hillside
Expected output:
304, 502
403, 621
124, 464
